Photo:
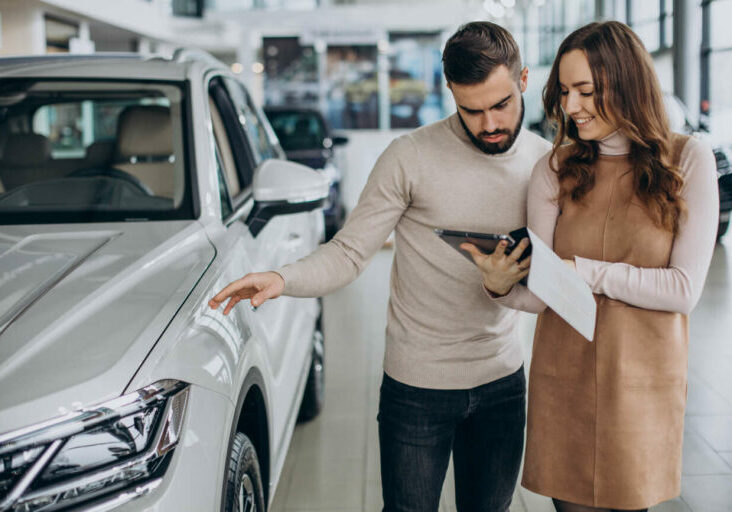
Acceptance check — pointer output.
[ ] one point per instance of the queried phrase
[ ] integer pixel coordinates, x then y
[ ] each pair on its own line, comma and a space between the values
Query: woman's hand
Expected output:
500, 270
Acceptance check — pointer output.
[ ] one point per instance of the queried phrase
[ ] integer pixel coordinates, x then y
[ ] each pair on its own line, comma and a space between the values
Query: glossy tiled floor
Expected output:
333, 463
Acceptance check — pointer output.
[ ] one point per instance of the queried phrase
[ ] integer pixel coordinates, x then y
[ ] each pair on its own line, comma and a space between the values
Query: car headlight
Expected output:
111, 452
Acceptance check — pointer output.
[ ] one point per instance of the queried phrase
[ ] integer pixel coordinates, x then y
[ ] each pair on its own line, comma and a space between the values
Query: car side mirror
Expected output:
339, 140
281, 187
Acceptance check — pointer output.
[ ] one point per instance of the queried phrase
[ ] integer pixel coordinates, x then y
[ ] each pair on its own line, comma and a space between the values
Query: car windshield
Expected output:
298, 130
92, 151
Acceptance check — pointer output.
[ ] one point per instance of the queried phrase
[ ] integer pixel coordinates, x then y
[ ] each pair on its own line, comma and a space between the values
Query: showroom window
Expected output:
653, 22
415, 79
352, 84
718, 55
342, 80
238, 5
59, 32
291, 72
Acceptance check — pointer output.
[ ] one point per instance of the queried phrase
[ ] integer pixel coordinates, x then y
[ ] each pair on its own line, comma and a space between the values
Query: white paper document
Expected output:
561, 288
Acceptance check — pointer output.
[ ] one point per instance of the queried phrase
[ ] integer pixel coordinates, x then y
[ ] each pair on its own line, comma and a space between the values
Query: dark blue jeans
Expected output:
483, 427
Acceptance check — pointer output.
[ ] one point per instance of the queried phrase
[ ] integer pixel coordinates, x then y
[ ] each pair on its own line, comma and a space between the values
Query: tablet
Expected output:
486, 242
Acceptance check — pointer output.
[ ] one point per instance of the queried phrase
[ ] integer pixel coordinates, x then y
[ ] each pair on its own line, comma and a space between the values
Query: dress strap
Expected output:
678, 141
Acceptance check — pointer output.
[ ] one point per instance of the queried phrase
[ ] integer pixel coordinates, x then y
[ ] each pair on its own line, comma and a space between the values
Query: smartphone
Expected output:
486, 242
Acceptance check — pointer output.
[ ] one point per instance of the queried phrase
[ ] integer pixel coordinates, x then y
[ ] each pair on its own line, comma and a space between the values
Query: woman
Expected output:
633, 207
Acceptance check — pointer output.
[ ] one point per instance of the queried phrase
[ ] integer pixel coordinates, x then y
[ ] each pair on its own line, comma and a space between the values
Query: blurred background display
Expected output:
352, 97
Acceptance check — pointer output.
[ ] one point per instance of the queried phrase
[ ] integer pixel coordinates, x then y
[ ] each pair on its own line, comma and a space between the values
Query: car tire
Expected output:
244, 492
722, 229
335, 222
314, 397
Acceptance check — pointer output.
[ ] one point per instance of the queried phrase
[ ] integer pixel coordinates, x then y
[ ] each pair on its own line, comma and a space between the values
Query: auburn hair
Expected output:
628, 96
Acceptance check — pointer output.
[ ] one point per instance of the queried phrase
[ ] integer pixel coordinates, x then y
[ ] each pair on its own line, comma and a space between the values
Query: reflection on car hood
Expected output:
32, 265
81, 307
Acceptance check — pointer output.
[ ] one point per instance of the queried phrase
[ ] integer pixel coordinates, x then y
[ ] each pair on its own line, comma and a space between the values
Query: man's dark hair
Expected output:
476, 49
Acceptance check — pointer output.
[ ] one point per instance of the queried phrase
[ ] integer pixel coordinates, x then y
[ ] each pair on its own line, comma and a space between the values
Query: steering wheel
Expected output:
111, 172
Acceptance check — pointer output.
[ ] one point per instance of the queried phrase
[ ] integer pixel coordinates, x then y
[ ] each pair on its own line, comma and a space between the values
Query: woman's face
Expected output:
575, 81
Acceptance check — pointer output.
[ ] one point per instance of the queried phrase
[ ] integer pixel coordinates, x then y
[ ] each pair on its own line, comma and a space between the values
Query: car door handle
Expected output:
293, 240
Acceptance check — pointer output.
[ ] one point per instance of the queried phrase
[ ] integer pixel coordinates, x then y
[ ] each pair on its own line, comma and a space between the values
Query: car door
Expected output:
286, 324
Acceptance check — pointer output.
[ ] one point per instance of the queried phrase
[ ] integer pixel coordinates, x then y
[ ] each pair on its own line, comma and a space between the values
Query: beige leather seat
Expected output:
99, 153
25, 160
145, 145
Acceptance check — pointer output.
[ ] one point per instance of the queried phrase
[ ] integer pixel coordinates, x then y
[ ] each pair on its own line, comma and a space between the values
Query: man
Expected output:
454, 379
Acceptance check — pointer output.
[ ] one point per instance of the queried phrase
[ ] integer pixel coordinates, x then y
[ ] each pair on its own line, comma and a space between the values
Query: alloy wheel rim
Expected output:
318, 354
246, 495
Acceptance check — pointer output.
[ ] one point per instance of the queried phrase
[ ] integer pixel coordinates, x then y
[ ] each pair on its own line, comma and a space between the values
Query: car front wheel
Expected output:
722, 228
244, 491
314, 397
334, 222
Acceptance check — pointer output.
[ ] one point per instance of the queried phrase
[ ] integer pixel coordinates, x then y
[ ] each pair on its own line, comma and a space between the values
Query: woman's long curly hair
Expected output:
627, 95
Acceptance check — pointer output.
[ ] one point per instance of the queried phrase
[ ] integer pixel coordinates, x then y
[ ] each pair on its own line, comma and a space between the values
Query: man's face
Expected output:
492, 111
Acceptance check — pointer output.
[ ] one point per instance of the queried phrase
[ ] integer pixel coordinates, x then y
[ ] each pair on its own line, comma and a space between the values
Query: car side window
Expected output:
226, 207
237, 155
224, 152
252, 122
226, 174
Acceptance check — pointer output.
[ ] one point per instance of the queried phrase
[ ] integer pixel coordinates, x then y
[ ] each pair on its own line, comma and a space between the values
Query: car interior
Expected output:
90, 149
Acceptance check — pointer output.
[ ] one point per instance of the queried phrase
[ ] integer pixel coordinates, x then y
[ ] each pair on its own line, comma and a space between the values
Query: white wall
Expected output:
23, 31
664, 63
357, 159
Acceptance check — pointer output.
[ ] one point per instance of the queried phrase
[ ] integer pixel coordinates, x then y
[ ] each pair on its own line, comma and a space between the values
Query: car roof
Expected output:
291, 108
105, 66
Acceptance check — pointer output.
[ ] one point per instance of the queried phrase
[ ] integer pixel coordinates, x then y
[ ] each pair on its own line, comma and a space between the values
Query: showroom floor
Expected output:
333, 463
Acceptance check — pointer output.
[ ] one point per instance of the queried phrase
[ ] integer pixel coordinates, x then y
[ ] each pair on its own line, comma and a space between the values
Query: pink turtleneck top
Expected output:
676, 288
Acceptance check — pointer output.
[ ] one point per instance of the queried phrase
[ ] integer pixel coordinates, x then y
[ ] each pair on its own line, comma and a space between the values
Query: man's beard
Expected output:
495, 148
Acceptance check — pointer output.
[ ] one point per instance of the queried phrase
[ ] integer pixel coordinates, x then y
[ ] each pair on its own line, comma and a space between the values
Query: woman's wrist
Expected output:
496, 292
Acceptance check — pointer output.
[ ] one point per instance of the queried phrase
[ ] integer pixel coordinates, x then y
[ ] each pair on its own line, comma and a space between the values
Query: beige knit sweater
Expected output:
443, 331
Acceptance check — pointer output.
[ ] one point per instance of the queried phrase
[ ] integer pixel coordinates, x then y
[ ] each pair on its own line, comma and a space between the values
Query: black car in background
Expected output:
724, 172
307, 139
679, 120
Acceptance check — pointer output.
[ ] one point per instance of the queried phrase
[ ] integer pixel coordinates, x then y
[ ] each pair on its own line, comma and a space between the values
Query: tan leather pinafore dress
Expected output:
605, 420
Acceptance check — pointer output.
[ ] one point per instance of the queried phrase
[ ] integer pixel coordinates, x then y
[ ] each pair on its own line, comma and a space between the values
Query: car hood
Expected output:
81, 306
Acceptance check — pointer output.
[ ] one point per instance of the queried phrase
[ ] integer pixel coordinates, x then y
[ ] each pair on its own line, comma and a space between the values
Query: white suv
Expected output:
132, 190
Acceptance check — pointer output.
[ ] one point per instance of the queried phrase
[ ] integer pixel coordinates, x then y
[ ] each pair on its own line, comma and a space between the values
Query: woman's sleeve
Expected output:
542, 212
678, 287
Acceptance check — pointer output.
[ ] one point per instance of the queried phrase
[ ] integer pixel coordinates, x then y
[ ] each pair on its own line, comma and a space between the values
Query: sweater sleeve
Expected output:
384, 199
678, 287
542, 214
